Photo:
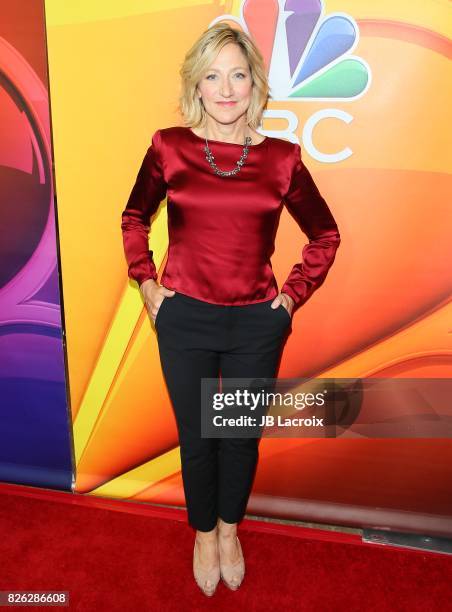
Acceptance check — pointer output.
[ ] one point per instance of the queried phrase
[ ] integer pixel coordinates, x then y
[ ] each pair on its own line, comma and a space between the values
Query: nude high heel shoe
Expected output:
233, 574
207, 580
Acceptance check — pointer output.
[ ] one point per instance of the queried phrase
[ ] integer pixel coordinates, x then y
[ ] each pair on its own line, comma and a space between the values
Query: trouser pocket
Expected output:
162, 308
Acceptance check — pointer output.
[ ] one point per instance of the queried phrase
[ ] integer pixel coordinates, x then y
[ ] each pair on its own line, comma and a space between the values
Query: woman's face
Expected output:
226, 87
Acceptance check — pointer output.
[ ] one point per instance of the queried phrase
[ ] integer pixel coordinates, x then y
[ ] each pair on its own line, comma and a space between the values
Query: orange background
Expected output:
384, 309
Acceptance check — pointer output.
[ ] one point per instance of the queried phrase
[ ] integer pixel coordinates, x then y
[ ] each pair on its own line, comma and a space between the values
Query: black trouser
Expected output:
198, 340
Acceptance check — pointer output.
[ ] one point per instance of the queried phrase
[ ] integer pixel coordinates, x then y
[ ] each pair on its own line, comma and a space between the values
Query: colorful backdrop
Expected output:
35, 440
364, 87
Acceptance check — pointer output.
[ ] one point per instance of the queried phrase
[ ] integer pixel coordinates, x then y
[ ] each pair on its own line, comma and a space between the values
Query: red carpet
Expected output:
136, 560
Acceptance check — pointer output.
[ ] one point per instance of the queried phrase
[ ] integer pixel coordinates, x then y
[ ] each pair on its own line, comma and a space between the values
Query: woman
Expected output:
218, 309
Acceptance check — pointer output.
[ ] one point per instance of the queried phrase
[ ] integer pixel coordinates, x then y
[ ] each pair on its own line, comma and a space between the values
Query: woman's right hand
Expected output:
154, 294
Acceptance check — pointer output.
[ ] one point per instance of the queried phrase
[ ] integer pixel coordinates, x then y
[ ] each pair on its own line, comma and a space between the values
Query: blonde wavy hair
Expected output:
197, 62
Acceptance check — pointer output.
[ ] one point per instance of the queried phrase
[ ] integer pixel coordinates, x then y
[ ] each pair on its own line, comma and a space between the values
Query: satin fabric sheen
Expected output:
222, 229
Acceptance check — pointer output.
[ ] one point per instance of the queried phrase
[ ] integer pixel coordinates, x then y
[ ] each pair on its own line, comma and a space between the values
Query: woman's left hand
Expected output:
286, 301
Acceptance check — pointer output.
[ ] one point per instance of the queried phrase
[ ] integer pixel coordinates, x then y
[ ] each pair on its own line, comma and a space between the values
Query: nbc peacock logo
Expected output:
308, 54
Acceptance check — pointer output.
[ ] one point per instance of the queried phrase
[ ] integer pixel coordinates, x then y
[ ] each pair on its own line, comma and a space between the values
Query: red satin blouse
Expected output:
222, 229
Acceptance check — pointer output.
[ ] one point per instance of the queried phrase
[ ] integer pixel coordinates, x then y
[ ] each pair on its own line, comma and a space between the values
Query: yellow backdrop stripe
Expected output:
131, 483
115, 345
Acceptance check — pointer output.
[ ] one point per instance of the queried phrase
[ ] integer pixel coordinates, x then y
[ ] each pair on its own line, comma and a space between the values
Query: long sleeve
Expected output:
313, 216
147, 193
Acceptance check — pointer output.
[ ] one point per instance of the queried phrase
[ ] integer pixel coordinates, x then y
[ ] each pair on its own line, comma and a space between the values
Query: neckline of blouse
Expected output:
234, 144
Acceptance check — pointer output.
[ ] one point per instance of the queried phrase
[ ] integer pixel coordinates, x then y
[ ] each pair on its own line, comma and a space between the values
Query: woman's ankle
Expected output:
226, 529
207, 536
